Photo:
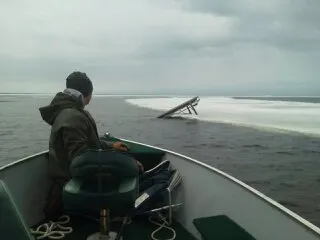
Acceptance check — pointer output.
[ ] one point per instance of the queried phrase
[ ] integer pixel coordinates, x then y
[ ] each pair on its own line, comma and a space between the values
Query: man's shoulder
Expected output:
70, 115
71, 110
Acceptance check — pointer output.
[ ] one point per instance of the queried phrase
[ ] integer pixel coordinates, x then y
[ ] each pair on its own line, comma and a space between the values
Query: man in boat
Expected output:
73, 130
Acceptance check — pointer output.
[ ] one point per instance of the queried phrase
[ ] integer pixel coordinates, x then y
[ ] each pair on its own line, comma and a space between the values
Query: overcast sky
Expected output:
238, 47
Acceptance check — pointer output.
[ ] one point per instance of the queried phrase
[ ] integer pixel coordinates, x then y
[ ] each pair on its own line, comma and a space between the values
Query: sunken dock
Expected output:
186, 108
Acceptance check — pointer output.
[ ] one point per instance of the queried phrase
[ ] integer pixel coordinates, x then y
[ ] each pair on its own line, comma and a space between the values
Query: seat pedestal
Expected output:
104, 233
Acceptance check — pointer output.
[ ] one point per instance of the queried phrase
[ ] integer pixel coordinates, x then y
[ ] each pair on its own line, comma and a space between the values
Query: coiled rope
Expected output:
164, 224
53, 230
56, 230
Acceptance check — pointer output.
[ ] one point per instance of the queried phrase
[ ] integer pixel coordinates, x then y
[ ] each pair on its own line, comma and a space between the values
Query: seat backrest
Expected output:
93, 162
12, 224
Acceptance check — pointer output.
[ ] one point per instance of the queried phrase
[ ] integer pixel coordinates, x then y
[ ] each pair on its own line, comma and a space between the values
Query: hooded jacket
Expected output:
73, 131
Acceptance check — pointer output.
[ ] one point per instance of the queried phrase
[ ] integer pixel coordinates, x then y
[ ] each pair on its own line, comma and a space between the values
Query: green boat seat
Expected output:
220, 227
101, 180
12, 223
80, 195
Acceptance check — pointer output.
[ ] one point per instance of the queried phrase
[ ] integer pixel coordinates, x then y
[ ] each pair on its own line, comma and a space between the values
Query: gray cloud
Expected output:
292, 24
169, 45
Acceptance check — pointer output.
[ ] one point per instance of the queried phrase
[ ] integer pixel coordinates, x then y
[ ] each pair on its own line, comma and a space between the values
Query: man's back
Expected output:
72, 132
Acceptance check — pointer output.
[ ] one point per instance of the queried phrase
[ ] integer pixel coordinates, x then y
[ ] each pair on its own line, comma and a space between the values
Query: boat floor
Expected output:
139, 229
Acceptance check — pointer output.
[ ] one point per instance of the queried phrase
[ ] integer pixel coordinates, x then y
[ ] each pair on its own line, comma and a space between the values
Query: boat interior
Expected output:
91, 208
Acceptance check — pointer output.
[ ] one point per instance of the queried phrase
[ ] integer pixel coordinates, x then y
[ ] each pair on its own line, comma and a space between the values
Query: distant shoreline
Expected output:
174, 95
305, 99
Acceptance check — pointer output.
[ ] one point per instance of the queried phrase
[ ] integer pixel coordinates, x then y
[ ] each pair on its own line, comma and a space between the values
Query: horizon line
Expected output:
160, 94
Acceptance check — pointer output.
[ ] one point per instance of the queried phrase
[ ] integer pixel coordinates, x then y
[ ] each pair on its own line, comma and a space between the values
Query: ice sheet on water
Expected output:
281, 115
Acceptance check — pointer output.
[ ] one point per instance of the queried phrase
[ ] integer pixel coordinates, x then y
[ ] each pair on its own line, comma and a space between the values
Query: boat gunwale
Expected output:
299, 219
23, 160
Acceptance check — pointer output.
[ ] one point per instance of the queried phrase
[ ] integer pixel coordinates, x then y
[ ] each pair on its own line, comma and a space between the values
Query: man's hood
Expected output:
69, 98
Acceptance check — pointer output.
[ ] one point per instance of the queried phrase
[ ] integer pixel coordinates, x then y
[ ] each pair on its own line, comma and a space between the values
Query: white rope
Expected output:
56, 230
53, 230
161, 226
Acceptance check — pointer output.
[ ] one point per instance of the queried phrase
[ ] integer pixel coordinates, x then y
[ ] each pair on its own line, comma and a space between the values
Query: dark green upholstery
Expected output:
101, 179
93, 162
220, 227
12, 224
81, 195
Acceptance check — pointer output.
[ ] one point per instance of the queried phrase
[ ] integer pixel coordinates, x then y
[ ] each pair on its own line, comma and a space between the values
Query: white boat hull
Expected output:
205, 191
28, 182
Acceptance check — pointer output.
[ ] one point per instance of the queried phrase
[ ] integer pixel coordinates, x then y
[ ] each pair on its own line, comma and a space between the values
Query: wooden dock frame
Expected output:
188, 105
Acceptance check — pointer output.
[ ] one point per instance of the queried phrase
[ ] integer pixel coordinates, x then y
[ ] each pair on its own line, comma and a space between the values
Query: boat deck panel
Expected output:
221, 227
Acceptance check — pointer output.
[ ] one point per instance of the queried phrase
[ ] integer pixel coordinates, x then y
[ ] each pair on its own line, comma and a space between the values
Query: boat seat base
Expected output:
220, 227
110, 236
